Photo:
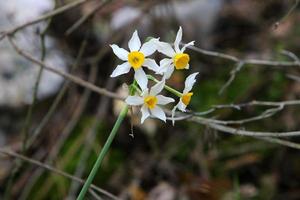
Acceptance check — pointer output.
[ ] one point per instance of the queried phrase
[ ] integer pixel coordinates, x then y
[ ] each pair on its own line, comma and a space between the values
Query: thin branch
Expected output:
86, 17
259, 103
36, 86
272, 63
28, 119
68, 76
245, 61
54, 170
263, 135
266, 114
219, 125
276, 25
281, 142
235, 131
279, 105
42, 18
232, 76
95, 195
293, 77
242, 62
291, 55
214, 54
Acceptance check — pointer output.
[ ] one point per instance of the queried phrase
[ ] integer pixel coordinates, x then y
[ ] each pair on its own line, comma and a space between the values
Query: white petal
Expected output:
151, 64
149, 47
157, 88
173, 114
158, 113
145, 113
134, 43
134, 100
121, 69
165, 48
162, 100
120, 52
187, 45
145, 92
189, 82
178, 39
141, 78
181, 106
169, 71
164, 64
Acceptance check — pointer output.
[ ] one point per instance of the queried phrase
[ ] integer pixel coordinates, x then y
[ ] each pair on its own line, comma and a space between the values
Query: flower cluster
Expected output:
137, 58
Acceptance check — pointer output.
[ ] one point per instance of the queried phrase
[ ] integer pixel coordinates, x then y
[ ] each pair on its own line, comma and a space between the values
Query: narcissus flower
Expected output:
150, 102
177, 58
136, 59
186, 94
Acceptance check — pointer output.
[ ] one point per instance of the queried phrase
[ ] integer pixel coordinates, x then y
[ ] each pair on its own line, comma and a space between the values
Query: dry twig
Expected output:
68, 76
54, 170
42, 18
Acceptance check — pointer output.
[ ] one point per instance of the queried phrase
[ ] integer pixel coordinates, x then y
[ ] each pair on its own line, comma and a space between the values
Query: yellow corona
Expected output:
186, 98
181, 60
136, 59
150, 101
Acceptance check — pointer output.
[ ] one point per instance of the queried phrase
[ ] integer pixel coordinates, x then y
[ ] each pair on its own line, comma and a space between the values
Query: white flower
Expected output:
177, 57
186, 94
150, 101
136, 58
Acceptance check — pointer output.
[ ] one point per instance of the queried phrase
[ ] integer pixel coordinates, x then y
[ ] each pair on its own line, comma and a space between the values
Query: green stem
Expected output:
106, 147
103, 152
136, 88
168, 88
172, 90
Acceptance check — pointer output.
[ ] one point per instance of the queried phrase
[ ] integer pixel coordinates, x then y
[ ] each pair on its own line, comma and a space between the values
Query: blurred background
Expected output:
54, 121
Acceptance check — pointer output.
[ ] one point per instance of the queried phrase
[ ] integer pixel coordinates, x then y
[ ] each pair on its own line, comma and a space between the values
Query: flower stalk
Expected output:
168, 88
106, 146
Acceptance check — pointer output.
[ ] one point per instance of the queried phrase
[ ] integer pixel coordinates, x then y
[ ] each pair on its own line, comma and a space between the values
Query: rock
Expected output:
18, 75
197, 17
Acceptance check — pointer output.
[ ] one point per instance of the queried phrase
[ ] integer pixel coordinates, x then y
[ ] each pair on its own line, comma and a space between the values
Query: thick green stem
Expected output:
106, 147
168, 88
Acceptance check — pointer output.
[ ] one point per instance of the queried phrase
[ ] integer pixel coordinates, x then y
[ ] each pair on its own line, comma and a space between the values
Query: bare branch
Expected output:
275, 26
281, 142
245, 61
293, 77
232, 76
86, 17
266, 114
68, 76
235, 131
54, 170
42, 18
259, 103
214, 54
291, 55
242, 62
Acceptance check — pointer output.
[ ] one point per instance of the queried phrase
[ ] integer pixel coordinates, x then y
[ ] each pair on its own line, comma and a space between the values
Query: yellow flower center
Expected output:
150, 101
136, 59
181, 60
186, 98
